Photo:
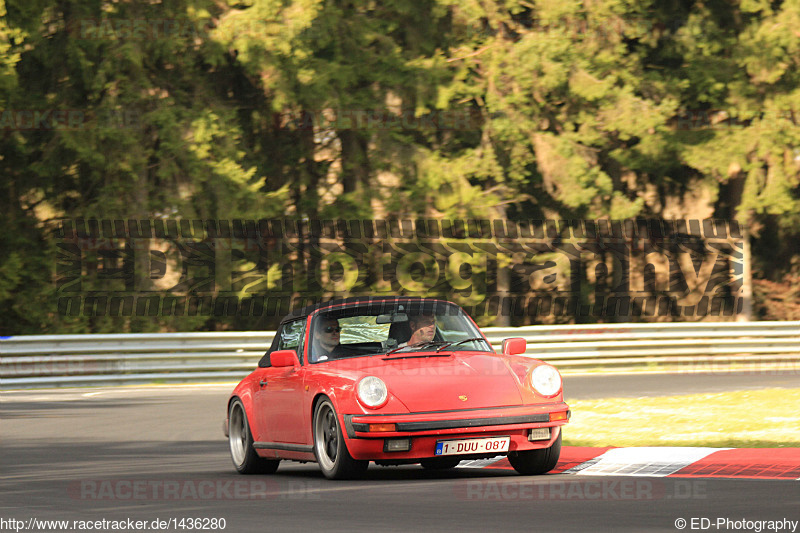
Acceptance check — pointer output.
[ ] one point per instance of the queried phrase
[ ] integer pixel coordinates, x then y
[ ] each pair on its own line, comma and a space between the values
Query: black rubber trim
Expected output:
472, 422
444, 411
351, 427
348, 426
283, 447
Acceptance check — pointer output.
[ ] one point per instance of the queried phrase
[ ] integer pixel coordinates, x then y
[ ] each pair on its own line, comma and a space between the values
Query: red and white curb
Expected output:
685, 462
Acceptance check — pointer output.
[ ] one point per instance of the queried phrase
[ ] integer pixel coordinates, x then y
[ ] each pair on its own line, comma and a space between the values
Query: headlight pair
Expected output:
372, 391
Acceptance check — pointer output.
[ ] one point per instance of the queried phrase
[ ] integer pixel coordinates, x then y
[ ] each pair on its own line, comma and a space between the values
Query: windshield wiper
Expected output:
416, 345
415, 355
440, 348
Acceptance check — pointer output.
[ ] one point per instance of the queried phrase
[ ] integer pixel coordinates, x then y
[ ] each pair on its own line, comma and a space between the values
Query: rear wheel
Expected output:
244, 456
440, 463
534, 462
329, 446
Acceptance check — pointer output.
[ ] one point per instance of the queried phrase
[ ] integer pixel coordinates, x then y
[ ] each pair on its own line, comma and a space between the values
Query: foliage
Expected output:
778, 300
330, 109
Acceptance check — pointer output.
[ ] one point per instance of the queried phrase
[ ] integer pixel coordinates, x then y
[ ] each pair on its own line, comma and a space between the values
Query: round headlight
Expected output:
372, 392
546, 380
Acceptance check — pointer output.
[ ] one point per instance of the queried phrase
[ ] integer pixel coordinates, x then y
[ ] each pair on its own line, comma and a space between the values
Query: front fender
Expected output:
521, 367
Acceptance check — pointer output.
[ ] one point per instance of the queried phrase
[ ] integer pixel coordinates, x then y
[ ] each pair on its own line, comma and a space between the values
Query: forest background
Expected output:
311, 110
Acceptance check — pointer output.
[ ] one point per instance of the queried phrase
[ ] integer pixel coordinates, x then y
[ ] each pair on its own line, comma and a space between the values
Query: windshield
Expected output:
400, 328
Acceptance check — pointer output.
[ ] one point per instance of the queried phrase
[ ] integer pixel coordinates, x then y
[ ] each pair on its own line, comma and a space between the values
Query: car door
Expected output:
280, 394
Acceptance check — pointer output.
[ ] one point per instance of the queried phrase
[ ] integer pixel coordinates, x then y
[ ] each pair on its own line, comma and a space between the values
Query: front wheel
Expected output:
534, 462
244, 456
329, 446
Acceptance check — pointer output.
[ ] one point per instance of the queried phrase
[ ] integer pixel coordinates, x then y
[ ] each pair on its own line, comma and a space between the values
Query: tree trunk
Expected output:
355, 163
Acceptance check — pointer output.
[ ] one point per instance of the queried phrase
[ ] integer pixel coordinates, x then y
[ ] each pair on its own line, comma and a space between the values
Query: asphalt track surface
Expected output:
151, 453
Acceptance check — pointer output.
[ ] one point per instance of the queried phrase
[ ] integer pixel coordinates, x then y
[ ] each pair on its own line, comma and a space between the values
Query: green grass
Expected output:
766, 418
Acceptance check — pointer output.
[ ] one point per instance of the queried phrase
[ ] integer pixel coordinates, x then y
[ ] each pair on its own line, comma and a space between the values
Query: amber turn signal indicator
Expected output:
558, 416
382, 427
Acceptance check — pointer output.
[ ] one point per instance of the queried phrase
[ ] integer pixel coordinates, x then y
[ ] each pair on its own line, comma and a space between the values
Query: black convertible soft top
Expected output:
379, 304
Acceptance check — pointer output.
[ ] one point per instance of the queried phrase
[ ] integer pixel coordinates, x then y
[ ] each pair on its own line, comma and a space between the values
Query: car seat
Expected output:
400, 331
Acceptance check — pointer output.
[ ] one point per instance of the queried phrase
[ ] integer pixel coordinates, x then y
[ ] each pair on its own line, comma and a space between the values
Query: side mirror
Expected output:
284, 358
514, 346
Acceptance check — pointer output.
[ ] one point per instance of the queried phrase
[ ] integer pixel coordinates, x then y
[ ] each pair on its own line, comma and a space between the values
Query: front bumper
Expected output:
424, 429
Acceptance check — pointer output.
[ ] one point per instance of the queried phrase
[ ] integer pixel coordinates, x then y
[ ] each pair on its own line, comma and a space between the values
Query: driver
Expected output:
326, 339
423, 328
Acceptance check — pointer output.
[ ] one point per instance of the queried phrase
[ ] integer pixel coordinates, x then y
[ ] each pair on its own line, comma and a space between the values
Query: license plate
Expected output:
460, 447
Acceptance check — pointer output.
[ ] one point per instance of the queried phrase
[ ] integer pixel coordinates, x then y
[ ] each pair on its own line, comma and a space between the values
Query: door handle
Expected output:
263, 382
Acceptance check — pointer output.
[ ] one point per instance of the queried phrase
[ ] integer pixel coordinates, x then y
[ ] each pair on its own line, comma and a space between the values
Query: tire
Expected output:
330, 448
244, 456
535, 462
440, 463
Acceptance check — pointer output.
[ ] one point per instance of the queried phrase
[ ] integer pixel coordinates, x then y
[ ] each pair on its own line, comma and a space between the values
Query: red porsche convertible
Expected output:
393, 380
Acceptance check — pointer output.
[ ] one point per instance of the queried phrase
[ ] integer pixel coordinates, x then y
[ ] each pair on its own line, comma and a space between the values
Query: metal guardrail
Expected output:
76, 360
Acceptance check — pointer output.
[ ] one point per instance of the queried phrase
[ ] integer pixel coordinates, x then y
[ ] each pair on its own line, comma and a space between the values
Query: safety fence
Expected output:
76, 360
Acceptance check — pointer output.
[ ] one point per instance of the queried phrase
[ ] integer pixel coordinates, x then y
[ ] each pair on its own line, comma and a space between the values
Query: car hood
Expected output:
457, 380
